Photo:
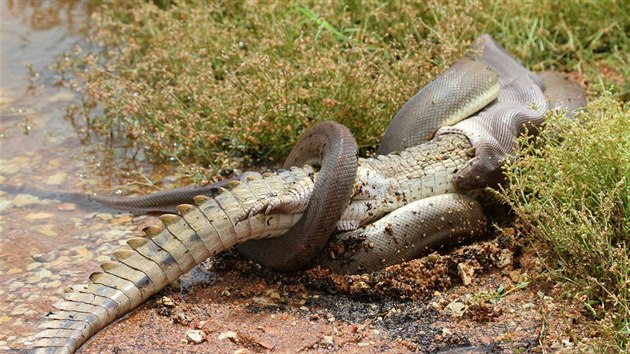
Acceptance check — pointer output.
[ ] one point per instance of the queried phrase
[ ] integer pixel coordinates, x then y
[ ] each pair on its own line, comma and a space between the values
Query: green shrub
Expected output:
570, 190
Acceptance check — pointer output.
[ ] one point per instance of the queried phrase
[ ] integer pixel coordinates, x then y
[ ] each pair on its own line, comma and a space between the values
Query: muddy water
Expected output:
49, 239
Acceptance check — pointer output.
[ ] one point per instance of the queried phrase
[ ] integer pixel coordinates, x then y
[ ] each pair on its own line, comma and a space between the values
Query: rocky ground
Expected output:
481, 298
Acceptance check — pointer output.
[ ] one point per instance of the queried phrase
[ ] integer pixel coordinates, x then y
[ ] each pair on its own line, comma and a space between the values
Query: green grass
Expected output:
222, 84
570, 190
215, 82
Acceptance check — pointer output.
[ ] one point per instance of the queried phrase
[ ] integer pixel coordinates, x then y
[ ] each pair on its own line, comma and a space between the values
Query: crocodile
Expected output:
385, 188
252, 209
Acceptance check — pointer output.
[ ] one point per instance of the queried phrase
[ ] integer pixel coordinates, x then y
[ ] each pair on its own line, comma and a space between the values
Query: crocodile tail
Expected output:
153, 262
160, 257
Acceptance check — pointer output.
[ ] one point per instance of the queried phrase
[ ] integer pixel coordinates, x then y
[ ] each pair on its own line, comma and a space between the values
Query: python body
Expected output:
403, 204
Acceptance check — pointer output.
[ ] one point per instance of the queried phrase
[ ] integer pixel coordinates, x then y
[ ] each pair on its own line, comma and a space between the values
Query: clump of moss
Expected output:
570, 189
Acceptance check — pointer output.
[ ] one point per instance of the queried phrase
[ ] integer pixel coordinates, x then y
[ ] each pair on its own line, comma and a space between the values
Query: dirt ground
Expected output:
230, 305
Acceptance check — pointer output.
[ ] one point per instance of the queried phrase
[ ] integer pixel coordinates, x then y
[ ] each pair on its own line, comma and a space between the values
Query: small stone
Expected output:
56, 179
15, 286
263, 301
5, 102
62, 96
33, 265
166, 301
22, 200
456, 308
466, 272
5, 206
515, 276
81, 252
51, 285
66, 206
19, 310
122, 219
35, 278
505, 258
46, 230
195, 336
37, 216
9, 168
45, 257
14, 271
69, 273
327, 340
273, 294
103, 259
231, 335
182, 317
104, 216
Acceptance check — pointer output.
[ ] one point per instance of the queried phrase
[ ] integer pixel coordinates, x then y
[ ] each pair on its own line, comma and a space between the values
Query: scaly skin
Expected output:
250, 210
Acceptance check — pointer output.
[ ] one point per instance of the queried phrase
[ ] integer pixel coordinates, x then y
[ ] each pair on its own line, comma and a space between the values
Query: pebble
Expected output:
19, 310
9, 168
15, 286
167, 301
68, 273
195, 336
38, 216
51, 285
14, 271
82, 253
5, 206
56, 179
35, 278
103, 259
115, 234
466, 272
46, 230
67, 206
33, 265
45, 257
122, 219
456, 308
62, 96
327, 340
104, 216
515, 275
231, 335
22, 200
505, 258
